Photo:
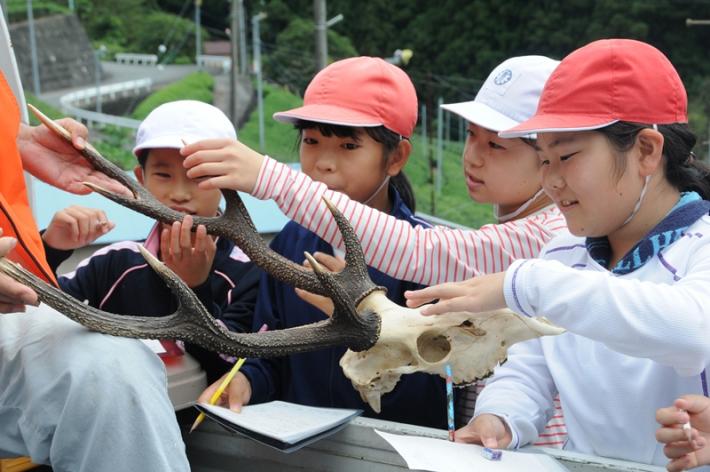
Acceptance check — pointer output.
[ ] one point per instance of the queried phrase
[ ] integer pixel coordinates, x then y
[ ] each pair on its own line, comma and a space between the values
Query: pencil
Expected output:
450, 402
220, 390
223, 386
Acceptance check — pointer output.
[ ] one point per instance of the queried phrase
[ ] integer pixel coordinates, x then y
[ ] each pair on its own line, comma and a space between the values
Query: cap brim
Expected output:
481, 114
164, 142
556, 123
328, 114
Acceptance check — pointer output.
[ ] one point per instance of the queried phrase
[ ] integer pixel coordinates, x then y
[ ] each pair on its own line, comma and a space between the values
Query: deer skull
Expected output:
473, 344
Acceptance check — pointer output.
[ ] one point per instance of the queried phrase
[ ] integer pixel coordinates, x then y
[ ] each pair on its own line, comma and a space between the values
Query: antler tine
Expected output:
345, 311
355, 273
191, 321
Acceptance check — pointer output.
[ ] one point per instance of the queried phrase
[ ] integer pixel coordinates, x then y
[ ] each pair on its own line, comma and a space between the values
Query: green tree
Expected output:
291, 62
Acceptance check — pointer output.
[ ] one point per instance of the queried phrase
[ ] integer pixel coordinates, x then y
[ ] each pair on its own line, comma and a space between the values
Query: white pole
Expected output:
33, 49
439, 144
256, 43
198, 35
242, 38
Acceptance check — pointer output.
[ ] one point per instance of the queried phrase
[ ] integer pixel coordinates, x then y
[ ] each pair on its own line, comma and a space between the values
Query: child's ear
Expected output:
399, 157
138, 172
650, 148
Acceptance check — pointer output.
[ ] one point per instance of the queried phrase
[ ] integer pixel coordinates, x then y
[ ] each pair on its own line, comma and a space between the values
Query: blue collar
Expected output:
687, 211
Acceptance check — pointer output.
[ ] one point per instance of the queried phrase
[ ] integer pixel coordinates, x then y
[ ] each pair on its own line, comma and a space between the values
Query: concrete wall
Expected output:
64, 54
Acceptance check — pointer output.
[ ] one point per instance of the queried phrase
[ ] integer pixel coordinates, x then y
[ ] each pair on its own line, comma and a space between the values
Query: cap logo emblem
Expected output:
503, 77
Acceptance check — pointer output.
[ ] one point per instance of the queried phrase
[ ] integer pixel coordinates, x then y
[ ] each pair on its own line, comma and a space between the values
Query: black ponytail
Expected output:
683, 171
389, 140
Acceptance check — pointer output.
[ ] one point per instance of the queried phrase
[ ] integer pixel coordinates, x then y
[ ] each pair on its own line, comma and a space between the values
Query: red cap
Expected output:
362, 92
608, 81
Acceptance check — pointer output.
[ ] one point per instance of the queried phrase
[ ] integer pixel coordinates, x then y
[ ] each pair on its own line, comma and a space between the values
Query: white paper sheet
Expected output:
440, 455
154, 345
284, 421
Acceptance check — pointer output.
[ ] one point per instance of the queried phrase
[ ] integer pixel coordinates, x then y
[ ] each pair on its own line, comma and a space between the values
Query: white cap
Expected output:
509, 95
183, 120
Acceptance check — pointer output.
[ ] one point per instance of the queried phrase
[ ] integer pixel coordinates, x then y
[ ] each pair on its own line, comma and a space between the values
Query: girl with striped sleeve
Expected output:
504, 172
630, 284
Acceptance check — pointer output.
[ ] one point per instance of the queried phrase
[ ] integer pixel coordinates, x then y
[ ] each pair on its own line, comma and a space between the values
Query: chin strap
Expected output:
509, 216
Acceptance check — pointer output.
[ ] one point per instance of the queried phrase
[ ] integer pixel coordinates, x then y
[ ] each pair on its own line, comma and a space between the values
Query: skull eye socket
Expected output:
433, 346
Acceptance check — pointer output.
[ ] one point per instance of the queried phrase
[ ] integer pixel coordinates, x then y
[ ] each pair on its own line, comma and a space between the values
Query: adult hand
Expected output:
685, 454
222, 163
13, 295
51, 159
236, 395
330, 264
75, 227
476, 295
487, 430
190, 260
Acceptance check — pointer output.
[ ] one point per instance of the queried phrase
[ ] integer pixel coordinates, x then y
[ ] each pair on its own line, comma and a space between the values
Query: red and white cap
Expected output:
604, 82
509, 95
362, 92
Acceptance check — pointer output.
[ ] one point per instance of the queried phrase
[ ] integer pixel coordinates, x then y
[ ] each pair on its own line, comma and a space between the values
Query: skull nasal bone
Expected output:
433, 346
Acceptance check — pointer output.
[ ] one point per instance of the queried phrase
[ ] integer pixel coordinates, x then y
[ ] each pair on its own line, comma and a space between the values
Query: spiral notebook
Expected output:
282, 425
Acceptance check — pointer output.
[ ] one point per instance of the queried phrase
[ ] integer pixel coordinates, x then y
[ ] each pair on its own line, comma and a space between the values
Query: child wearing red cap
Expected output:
497, 170
354, 127
630, 285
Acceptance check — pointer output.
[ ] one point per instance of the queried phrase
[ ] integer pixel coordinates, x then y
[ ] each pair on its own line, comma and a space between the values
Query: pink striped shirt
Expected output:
422, 255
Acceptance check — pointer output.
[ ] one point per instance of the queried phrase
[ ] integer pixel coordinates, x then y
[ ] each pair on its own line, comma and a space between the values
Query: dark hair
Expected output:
682, 169
142, 157
389, 140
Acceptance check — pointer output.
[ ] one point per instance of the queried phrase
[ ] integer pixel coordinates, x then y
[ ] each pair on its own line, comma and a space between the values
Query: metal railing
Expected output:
136, 58
73, 103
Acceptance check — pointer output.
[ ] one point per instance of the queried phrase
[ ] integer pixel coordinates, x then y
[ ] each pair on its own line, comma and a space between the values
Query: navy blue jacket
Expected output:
316, 378
117, 279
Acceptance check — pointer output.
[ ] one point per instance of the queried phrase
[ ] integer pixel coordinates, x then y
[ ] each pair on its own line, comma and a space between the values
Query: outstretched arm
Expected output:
417, 254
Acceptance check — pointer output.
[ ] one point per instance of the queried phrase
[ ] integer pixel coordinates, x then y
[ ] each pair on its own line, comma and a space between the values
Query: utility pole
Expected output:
319, 11
33, 49
691, 22
234, 55
242, 38
256, 43
198, 35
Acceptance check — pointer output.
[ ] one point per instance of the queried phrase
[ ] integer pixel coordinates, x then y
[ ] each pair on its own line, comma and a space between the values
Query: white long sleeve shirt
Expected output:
635, 343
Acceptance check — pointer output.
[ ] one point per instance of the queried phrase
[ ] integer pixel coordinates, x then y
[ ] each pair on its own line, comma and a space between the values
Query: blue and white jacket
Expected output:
638, 337
316, 378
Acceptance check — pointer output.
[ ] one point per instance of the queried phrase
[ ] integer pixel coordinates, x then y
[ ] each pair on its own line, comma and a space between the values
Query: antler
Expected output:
191, 321
235, 224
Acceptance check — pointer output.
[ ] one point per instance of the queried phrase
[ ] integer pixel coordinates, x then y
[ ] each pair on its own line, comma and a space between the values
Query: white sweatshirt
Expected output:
635, 343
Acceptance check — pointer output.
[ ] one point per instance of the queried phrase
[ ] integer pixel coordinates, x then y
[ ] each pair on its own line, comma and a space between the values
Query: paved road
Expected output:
116, 73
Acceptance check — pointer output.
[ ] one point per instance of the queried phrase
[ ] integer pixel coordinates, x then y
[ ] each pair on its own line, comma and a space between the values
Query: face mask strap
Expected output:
647, 179
384, 182
522, 208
